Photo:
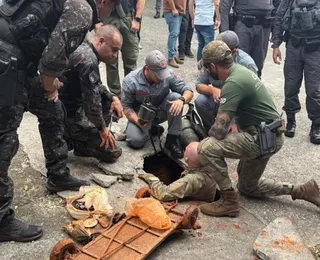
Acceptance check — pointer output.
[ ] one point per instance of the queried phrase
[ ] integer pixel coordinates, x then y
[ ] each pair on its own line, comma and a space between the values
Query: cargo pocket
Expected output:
9, 81
306, 22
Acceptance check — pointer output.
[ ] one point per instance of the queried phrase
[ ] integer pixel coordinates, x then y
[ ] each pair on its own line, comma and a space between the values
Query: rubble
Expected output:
104, 180
280, 240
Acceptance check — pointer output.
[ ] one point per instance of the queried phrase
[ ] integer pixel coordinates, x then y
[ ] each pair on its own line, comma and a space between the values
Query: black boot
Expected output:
173, 145
65, 183
290, 128
157, 15
315, 134
156, 130
189, 54
12, 229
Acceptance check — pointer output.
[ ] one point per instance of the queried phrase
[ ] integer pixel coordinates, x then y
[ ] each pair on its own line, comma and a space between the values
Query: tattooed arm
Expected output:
131, 115
221, 125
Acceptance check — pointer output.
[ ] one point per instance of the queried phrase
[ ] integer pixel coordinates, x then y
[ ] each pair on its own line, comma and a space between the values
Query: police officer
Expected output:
245, 97
88, 103
126, 16
32, 40
301, 24
195, 181
252, 22
157, 87
207, 102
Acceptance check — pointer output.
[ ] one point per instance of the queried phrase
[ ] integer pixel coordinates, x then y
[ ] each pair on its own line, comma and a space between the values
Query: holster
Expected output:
267, 136
12, 78
311, 45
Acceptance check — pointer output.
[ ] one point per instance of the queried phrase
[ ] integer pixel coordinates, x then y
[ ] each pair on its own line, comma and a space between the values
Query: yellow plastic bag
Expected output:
95, 201
150, 211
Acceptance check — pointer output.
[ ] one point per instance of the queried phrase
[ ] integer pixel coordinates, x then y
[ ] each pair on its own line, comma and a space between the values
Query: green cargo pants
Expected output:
213, 152
195, 183
129, 51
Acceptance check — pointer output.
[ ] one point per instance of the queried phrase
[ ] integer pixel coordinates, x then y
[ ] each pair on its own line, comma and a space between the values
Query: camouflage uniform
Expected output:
68, 33
196, 183
87, 103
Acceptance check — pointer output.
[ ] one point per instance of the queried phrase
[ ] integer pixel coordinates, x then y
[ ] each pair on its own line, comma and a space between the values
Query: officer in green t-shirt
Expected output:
245, 98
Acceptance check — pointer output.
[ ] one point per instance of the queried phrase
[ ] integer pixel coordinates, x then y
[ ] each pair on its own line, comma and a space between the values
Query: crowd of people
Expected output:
50, 68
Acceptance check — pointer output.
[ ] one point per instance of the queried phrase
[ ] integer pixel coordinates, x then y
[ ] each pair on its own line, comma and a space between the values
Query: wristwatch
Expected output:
182, 99
138, 19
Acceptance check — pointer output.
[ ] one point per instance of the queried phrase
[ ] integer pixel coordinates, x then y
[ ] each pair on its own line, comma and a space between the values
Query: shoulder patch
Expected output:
93, 77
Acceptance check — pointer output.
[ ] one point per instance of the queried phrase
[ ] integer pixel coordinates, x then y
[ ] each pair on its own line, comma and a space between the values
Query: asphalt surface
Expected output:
224, 238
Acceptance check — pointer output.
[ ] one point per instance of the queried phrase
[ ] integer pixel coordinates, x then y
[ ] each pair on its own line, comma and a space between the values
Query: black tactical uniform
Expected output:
87, 103
35, 35
251, 20
300, 19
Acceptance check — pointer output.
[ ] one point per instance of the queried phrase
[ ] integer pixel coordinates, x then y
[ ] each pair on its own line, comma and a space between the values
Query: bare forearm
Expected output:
204, 89
217, 9
188, 95
140, 7
191, 9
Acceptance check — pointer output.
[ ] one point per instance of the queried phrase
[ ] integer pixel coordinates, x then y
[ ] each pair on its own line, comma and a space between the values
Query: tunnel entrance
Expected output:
162, 166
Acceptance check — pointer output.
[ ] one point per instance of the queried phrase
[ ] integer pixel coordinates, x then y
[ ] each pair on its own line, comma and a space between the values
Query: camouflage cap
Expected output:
215, 52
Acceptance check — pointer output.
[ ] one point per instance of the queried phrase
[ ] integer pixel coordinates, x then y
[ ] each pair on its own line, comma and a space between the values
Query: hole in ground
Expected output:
166, 169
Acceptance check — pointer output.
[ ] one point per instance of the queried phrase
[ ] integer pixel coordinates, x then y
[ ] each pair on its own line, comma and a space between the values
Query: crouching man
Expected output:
196, 182
163, 94
209, 88
245, 97
88, 103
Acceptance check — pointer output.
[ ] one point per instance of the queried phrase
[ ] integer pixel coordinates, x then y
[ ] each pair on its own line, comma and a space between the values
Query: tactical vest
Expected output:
32, 22
253, 7
305, 18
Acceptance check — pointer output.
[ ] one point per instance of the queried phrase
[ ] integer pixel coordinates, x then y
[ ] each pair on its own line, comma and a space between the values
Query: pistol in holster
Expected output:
267, 136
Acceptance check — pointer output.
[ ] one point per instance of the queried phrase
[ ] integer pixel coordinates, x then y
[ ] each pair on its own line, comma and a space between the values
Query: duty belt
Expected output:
309, 44
250, 20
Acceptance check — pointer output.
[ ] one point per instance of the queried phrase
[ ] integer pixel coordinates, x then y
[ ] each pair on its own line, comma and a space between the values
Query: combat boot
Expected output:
12, 229
290, 128
157, 15
62, 183
189, 54
226, 206
174, 147
315, 134
309, 192
156, 130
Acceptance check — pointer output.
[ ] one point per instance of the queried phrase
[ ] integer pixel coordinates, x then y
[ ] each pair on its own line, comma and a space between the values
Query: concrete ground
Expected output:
224, 238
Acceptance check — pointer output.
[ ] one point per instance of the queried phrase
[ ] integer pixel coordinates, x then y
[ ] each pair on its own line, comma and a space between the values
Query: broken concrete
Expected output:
124, 168
104, 180
315, 251
281, 241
